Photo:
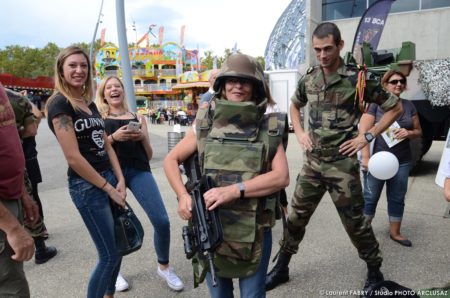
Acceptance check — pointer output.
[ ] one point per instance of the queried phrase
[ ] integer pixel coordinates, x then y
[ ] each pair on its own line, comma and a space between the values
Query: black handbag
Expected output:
127, 228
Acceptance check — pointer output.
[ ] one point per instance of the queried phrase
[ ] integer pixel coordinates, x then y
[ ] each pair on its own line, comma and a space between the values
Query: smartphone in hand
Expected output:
134, 126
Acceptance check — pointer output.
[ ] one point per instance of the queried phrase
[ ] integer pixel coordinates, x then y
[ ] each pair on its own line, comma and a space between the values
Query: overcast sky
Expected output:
210, 24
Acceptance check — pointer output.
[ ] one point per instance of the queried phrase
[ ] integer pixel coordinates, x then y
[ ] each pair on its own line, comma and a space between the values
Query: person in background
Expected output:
27, 126
245, 195
16, 245
330, 147
208, 95
447, 178
94, 175
408, 127
134, 152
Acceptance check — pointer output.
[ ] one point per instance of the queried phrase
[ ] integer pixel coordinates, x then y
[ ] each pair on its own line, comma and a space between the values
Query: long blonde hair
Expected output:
100, 100
61, 86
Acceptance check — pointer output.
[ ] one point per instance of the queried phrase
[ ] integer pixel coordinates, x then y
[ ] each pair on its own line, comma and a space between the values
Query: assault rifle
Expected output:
204, 235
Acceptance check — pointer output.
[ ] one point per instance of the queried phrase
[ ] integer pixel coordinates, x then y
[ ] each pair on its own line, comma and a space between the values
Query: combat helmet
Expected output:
242, 66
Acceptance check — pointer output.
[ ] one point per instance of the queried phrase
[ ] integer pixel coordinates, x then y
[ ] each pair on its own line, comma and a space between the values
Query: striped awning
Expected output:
191, 85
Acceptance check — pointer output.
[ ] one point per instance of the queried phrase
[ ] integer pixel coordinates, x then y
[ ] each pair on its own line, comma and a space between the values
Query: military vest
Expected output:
237, 142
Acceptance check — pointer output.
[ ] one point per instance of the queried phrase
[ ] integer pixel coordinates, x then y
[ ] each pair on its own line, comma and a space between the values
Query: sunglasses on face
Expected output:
241, 81
395, 82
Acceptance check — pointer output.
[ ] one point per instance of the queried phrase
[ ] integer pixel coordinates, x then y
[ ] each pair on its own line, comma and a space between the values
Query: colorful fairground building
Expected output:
165, 76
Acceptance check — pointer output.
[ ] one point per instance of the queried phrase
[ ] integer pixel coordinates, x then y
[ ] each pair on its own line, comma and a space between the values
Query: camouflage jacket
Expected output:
23, 109
334, 111
237, 142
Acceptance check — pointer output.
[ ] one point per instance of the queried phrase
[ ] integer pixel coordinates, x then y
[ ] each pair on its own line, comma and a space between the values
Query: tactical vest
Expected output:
237, 142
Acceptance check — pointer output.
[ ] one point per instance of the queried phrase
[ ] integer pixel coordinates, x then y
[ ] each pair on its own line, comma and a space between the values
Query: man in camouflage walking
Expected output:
330, 146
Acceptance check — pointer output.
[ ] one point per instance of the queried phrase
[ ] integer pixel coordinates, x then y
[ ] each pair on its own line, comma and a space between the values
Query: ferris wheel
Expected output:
286, 46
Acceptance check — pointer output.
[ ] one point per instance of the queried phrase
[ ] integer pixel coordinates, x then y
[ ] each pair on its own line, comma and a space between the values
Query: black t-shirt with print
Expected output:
89, 130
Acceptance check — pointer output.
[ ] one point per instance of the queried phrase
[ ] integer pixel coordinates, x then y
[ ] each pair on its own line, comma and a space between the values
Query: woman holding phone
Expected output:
132, 145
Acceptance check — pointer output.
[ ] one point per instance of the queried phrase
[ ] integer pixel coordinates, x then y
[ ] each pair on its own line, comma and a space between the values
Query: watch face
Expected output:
369, 137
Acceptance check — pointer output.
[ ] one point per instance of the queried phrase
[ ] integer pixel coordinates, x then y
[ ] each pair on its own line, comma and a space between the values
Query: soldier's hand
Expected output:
352, 146
304, 140
21, 243
31, 210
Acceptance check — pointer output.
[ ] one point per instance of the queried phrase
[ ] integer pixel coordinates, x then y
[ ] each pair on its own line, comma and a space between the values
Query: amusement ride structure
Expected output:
286, 46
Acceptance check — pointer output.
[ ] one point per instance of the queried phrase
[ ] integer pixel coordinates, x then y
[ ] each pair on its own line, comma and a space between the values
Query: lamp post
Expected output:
125, 58
91, 49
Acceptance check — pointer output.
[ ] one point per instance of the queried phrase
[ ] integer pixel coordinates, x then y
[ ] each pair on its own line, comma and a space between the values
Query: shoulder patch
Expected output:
310, 70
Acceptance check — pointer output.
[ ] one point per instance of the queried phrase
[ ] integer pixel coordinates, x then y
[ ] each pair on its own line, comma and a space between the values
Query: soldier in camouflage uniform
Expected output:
27, 125
330, 145
242, 150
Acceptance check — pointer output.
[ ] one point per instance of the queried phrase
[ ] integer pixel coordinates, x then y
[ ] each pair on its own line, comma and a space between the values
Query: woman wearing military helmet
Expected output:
248, 166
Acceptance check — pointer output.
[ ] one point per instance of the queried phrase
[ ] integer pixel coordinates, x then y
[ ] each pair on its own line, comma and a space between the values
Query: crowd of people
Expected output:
240, 139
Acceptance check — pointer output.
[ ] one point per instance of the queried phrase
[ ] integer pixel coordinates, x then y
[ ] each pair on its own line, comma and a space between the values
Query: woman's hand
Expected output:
123, 134
121, 187
401, 133
220, 195
364, 163
185, 206
115, 195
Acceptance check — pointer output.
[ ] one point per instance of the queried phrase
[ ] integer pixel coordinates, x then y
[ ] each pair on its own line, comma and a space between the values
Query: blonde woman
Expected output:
94, 173
134, 152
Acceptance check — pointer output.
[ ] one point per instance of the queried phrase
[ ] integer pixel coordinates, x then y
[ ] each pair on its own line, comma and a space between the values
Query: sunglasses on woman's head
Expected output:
395, 82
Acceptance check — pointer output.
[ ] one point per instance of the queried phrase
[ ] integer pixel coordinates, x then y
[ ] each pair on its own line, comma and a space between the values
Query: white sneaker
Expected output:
121, 283
173, 281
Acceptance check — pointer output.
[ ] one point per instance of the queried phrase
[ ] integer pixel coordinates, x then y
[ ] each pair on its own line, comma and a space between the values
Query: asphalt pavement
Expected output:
327, 264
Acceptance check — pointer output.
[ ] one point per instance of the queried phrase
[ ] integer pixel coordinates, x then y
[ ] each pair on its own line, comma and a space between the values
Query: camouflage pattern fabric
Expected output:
22, 109
334, 113
24, 116
333, 119
341, 179
38, 230
235, 145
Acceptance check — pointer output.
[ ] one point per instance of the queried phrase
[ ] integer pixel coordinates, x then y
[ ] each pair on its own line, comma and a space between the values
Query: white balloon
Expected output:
383, 165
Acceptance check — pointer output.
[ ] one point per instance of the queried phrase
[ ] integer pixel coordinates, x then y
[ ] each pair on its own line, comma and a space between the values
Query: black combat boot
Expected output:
280, 272
43, 253
374, 276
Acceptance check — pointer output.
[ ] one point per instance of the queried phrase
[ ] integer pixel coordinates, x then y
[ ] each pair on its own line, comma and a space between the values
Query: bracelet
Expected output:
103, 186
113, 138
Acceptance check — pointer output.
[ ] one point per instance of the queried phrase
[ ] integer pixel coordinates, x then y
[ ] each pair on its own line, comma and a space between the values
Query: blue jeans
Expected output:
253, 286
93, 204
396, 188
144, 188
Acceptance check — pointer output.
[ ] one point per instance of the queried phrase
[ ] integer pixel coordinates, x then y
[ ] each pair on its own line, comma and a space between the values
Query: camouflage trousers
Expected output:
37, 230
342, 181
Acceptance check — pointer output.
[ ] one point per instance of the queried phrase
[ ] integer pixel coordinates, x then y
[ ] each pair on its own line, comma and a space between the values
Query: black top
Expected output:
31, 161
401, 150
89, 130
131, 154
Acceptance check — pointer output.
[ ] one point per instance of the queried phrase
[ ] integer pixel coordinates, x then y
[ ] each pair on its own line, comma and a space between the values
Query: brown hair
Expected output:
61, 84
100, 100
389, 74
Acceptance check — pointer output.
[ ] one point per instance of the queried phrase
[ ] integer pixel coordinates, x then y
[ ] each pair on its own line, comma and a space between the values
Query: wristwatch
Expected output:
241, 187
369, 137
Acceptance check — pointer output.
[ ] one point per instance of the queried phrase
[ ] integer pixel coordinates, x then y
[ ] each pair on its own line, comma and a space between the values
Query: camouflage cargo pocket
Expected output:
239, 232
232, 162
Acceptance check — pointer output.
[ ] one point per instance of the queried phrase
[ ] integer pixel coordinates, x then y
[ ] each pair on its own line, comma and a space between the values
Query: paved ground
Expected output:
326, 265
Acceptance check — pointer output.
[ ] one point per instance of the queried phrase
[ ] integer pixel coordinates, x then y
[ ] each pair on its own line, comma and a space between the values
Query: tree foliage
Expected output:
32, 62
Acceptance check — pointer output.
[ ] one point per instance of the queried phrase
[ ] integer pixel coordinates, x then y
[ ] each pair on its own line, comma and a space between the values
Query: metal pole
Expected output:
91, 49
125, 59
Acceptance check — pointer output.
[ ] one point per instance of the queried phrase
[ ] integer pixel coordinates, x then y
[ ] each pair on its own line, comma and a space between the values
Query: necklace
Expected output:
117, 115
79, 99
